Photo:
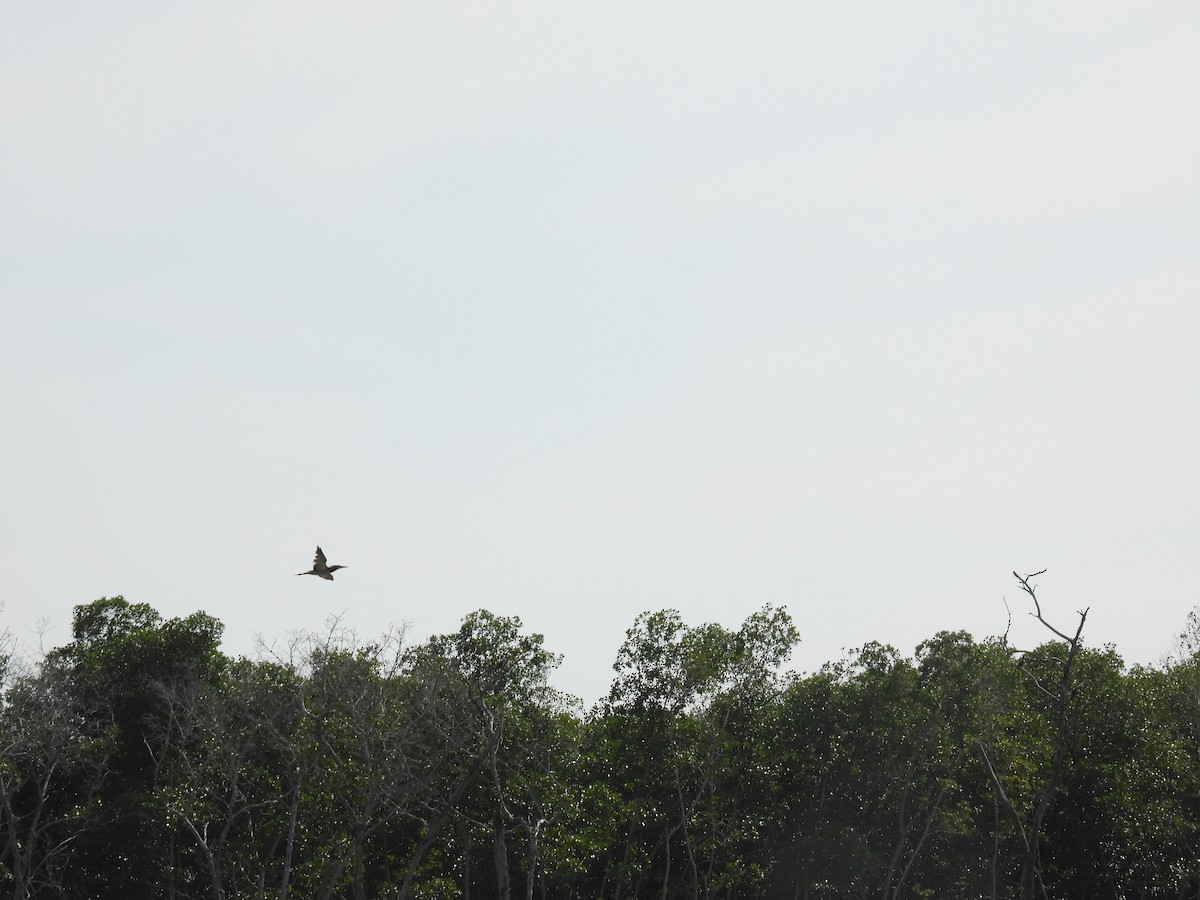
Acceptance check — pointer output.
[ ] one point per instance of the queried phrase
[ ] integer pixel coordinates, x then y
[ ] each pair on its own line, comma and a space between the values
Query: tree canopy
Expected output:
139, 761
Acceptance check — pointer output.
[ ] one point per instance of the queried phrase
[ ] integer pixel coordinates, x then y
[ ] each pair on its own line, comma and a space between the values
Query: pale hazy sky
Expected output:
573, 312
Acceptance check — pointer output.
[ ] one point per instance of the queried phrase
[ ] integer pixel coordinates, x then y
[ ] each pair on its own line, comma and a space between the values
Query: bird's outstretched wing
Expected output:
319, 559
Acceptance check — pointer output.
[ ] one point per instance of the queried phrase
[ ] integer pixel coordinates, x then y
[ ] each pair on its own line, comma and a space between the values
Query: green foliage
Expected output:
493, 657
138, 761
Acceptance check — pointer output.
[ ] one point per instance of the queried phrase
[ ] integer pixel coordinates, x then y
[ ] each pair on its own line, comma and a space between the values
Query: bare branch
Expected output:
1030, 831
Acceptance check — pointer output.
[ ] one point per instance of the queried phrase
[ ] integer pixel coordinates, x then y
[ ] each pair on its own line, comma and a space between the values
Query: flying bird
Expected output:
320, 568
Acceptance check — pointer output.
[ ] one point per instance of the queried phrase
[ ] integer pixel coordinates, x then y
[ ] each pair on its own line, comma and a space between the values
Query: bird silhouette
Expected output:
320, 568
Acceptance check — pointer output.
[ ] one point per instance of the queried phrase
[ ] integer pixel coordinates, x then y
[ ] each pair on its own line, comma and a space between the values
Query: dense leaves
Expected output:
138, 761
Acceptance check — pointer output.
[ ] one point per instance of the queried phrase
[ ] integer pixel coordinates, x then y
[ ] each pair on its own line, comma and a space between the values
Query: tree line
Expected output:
139, 761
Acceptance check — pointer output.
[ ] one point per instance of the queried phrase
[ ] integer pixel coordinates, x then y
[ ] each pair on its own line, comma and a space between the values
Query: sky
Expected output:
573, 312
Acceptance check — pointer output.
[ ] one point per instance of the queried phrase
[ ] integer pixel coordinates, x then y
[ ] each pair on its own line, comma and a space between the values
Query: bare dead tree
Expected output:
1029, 827
48, 775
224, 770
396, 740
459, 747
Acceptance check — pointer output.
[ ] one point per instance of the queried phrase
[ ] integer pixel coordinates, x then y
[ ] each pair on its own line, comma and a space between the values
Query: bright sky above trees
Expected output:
572, 314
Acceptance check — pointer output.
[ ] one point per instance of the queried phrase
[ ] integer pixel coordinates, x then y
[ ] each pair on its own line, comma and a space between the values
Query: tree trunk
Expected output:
213, 871
1029, 867
531, 878
293, 813
466, 865
500, 860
